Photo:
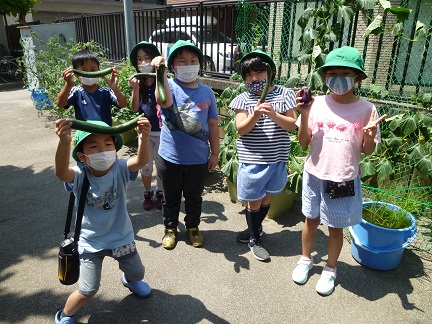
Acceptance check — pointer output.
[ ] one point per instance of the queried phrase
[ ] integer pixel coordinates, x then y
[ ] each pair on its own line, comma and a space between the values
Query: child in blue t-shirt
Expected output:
90, 101
190, 122
106, 226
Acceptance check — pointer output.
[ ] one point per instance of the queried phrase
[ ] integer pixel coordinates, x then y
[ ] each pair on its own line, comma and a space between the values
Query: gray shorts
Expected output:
338, 212
91, 269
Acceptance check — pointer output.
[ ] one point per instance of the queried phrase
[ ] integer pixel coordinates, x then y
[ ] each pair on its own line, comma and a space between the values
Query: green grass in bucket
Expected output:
383, 216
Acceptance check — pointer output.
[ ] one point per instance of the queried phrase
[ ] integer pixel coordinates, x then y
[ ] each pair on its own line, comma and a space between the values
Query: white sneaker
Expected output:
325, 284
301, 271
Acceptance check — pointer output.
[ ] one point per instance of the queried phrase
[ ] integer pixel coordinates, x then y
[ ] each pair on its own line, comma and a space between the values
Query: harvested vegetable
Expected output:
106, 130
94, 74
267, 84
306, 95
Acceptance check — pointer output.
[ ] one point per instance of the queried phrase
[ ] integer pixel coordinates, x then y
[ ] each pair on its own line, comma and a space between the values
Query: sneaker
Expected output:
258, 250
159, 197
325, 284
64, 319
301, 271
169, 240
244, 236
139, 288
148, 202
195, 237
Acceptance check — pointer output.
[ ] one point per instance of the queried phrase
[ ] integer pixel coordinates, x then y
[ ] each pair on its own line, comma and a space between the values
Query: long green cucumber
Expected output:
94, 74
267, 84
105, 130
160, 82
145, 75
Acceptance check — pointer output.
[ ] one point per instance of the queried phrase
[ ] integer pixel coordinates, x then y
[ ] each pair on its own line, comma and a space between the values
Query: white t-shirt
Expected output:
337, 138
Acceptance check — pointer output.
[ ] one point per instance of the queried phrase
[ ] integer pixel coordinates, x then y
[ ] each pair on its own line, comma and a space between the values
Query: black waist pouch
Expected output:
340, 189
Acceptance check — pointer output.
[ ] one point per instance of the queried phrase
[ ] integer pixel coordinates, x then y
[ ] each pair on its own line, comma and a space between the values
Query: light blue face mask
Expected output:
339, 84
256, 86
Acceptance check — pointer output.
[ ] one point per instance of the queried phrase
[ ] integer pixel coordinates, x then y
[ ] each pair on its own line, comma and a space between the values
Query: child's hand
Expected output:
113, 81
370, 130
157, 61
63, 130
258, 109
212, 161
68, 76
300, 106
134, 82
144, 128
268, 109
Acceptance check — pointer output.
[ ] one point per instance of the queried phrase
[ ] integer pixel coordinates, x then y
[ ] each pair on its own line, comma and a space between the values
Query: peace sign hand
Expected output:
370, 130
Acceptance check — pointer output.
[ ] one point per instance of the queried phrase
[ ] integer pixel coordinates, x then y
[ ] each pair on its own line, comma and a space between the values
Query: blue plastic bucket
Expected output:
40, 99
381, 248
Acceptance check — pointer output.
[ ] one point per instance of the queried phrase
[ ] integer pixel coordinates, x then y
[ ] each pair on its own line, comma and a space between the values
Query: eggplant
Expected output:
306, 95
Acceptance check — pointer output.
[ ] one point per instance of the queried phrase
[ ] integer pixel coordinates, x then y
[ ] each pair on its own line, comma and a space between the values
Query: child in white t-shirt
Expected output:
339, 127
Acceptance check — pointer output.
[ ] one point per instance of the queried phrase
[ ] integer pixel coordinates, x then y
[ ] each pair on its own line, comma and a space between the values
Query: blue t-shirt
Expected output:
147, 106
92, 106
185, 130
106, 224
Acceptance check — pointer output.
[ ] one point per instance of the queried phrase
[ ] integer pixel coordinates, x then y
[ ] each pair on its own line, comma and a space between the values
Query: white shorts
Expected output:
337, 212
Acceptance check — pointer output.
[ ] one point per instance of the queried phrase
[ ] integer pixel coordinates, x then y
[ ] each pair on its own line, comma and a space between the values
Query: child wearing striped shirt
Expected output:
263, 145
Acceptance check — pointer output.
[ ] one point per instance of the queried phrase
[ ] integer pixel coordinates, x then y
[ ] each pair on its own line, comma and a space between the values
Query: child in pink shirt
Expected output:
338, 127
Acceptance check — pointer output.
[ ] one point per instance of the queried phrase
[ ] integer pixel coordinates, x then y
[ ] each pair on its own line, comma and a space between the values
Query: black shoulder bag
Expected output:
68, 257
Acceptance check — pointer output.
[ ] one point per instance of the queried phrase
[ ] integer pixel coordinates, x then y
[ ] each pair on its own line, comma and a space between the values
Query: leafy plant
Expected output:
382, 215
48, 64
406, 139
322, 26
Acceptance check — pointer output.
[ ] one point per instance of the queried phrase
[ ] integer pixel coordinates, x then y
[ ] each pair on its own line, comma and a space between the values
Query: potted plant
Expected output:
386, 229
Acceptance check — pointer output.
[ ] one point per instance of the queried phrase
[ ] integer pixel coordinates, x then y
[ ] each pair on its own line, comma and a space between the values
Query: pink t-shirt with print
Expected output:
337, 137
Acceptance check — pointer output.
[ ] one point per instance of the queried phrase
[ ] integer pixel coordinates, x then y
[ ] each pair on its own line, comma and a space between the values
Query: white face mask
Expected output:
187, 73
145, 68
89, 81
102, 161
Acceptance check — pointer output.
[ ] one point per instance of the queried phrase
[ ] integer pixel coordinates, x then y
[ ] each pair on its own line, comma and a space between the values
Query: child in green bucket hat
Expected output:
143, 100
263, 144
106, 229
338, 127
189, 142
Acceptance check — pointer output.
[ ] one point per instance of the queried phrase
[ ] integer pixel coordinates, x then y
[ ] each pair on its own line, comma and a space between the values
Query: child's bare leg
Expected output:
335, 243
309, 235
146, 180
75, 302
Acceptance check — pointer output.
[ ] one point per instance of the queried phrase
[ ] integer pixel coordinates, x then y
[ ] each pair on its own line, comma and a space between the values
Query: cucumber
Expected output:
105, 130
267, 84
95, 74
160, 82
144, 75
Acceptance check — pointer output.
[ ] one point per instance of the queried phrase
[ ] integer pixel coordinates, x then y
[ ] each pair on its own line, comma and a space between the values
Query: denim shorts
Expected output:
338, 212
254, 181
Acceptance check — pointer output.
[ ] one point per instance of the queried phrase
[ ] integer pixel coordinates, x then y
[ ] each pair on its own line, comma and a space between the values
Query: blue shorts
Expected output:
338, 212
254, 181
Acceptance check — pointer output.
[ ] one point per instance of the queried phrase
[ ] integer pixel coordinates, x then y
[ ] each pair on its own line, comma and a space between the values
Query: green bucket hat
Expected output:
345, 56
143, 44
81, 135
262, 55
182, 44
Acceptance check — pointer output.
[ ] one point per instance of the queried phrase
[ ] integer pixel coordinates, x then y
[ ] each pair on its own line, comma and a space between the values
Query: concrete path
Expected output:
219, 283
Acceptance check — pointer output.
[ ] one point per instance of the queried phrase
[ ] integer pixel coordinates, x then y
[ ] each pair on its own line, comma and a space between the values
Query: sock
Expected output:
254, 223
263, 211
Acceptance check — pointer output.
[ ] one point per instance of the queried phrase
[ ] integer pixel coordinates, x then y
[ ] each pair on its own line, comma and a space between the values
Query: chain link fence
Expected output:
399, 82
